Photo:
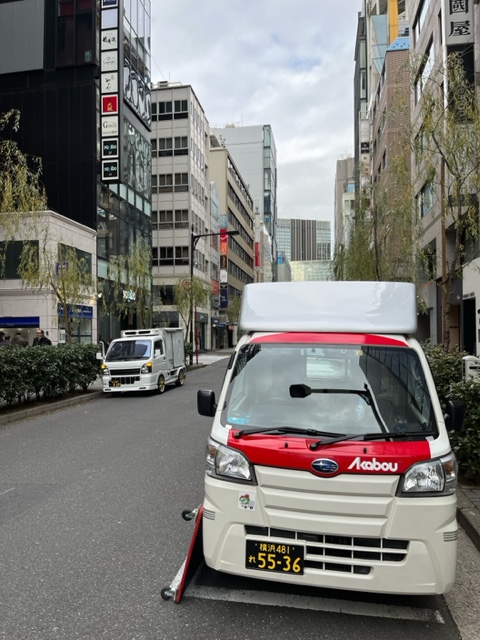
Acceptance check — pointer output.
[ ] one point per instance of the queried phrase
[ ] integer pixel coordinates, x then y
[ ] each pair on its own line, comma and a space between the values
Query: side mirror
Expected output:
206, 404
455, 416
156, 353
99, 355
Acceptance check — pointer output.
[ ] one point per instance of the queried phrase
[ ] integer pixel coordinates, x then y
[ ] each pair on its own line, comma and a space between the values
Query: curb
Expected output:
468, 517
32, 412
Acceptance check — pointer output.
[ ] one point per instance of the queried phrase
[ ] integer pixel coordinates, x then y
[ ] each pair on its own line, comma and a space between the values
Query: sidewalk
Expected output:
468, 496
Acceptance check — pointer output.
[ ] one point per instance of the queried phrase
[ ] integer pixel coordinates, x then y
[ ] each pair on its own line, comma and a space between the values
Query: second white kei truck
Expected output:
329, 462
144, 360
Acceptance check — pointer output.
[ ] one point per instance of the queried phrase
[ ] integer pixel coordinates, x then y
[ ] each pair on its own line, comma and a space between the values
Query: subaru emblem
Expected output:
324, 465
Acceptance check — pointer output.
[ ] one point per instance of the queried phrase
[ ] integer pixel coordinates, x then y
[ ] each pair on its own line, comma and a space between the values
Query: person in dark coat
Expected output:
18, 340
3, 342
41, 339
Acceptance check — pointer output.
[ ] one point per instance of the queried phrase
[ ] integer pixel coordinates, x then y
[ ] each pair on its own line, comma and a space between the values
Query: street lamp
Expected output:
194, 238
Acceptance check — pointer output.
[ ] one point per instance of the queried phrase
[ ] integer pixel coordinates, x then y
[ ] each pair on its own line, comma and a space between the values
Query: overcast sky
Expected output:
287, 63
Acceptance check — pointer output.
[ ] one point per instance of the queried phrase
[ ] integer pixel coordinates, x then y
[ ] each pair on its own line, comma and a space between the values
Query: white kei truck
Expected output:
144, 360
329, 462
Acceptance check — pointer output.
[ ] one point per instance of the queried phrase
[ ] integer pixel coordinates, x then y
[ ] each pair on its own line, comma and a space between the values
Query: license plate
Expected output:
274, 557
115, 383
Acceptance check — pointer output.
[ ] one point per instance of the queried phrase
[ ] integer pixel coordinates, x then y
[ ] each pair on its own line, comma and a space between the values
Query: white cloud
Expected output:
285, 63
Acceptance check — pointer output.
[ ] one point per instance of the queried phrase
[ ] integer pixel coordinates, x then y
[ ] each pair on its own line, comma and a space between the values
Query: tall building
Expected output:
438, 30
237, 266
254, 152
304, 240
344, 204
180, 201
196, 189
79, 73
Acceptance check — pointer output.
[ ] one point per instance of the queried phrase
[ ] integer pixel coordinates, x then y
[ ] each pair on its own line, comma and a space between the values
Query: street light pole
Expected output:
194, 238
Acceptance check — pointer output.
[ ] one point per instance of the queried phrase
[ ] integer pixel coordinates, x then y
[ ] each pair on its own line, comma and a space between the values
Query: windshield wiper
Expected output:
371, 436
281, 430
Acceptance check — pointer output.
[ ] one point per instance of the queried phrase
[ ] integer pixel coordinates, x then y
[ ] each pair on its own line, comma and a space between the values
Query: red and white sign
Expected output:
109, 104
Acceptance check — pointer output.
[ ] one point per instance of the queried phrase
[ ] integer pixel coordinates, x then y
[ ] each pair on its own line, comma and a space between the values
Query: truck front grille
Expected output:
326, 552
124, 380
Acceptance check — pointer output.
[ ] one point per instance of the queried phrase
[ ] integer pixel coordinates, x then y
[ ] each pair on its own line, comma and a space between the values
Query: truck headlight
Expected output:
223, 462
437, 477
147, 368
105, 370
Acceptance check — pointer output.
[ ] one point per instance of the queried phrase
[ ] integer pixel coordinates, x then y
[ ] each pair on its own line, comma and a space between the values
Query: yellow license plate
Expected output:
115, 383
274, 557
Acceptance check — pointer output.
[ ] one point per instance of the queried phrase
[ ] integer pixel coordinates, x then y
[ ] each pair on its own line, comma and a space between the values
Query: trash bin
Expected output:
471, 367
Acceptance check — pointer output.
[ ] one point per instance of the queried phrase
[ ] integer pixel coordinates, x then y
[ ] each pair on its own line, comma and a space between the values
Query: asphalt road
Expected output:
91, 531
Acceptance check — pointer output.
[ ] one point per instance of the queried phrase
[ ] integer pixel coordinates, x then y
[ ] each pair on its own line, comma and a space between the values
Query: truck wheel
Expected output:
180, 378
161, 384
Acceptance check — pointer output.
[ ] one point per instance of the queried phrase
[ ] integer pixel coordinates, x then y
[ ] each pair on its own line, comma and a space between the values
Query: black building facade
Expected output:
79, 73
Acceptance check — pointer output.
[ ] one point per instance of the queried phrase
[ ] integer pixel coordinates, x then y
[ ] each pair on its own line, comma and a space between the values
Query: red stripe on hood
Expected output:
365, 457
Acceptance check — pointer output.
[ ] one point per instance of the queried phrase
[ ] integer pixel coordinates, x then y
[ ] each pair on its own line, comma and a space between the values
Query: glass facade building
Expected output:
83, 90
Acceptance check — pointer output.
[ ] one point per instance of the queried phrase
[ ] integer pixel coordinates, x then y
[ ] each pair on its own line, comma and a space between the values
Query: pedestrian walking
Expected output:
41, 339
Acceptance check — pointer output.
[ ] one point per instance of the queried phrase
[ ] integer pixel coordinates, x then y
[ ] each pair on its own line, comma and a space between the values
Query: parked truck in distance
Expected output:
144, 360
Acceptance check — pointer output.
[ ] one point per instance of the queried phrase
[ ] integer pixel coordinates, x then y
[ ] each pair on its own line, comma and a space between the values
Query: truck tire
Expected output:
160, 384
180, 378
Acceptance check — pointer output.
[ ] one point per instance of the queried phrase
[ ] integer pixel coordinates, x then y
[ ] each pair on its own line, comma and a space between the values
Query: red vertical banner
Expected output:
223, 242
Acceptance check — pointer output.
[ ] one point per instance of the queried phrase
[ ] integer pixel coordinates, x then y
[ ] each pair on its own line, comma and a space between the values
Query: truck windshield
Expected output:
264, 390
129, 350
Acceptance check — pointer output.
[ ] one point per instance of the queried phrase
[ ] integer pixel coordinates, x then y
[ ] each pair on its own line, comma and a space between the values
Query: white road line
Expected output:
4, 492
315, 604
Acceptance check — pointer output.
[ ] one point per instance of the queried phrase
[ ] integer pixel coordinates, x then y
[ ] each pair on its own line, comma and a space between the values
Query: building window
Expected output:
165, 183
424, 73
181, 182
165, 219
425, 200
181, 145
420, 18
181, 255
75, 33
12, 254
164, 147
165, 110
181, 109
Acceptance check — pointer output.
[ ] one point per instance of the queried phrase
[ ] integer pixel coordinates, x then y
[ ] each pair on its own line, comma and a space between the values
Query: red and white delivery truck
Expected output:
329, 462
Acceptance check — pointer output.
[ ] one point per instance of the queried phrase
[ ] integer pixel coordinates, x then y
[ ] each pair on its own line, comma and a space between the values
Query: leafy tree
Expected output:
131, 278
234, 305
188, 294
383, 235
21, 189
47, 263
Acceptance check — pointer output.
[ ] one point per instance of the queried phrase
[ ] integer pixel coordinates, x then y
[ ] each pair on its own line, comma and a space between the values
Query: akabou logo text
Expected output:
373, 465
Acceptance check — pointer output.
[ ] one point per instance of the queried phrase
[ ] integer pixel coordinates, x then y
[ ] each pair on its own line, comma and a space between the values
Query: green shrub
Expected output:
447, 370
46, 372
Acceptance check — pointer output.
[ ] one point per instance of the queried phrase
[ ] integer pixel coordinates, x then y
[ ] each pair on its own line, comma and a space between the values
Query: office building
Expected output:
237, 265
254, 153
304, 240
196, 189
79, 73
